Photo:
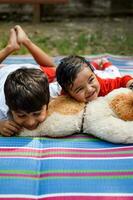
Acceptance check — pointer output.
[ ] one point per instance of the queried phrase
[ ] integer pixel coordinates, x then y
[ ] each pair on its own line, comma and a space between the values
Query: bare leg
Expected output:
40, 56
11, 46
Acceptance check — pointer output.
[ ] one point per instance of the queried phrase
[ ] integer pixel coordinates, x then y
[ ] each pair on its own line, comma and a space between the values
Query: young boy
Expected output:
76, 77
102, 68
27, 97
18, 37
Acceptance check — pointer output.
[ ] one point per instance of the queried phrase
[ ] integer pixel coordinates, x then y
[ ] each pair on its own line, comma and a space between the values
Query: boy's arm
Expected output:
39, 55
4, 53
8, 127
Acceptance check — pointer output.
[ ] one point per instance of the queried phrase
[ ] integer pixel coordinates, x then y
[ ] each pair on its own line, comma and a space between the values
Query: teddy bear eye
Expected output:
131, 86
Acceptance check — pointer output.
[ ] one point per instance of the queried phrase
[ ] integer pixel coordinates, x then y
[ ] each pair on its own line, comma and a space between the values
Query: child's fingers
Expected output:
15, 125
10, 129
7, 132
13, 129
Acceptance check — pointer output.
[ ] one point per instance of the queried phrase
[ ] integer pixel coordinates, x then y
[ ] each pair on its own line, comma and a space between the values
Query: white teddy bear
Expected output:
109, 118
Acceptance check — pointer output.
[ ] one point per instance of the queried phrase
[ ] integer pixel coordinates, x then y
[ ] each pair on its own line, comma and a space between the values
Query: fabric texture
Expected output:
78, 167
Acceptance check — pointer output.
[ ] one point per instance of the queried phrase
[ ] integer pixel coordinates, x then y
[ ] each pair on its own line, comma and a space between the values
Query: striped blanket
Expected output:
78, 167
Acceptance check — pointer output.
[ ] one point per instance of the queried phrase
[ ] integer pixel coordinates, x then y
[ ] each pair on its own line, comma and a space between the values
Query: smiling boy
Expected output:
77, 78
27, 97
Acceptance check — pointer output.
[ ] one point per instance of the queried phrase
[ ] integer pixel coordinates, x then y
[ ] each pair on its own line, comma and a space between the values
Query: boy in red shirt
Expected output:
77, 78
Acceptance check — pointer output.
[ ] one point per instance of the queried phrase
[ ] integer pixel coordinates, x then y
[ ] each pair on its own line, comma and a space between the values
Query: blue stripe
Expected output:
90, 185
126, 71
19, 186
28, 59
67, 142
19, 60
65, 164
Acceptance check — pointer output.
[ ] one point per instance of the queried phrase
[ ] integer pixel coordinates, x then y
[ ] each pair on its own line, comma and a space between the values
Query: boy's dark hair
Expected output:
68, 69
26, 89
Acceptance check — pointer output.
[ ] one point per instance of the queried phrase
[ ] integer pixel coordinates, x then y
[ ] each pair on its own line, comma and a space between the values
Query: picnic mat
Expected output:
78, 167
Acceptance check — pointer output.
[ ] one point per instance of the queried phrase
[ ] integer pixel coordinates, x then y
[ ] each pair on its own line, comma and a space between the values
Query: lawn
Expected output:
80, 36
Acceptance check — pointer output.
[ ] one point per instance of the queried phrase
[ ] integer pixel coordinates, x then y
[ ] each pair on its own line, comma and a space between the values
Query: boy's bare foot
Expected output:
12, 43
101, 63
22, 38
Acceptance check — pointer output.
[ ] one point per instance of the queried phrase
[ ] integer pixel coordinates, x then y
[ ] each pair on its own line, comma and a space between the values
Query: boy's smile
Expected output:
30, 120
85, 87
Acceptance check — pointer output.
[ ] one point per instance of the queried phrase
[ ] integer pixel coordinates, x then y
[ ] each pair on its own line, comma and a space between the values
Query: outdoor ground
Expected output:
78, 36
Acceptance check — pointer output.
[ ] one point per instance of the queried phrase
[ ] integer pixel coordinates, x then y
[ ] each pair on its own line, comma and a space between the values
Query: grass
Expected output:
82, 38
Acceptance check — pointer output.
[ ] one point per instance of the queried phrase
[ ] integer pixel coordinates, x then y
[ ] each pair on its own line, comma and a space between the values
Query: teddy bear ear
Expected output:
122, 105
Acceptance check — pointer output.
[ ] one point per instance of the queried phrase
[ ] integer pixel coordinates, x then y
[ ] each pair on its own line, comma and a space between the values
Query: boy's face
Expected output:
30, 120
85, 87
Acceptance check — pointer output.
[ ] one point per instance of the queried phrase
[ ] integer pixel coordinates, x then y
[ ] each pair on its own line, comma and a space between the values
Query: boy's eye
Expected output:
79, 90
90, 79
21, 116
36, 114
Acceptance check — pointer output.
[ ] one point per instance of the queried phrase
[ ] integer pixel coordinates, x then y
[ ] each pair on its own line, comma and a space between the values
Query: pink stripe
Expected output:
65, 150
69, 156
19, 198
74, 198
71, 174
89, 198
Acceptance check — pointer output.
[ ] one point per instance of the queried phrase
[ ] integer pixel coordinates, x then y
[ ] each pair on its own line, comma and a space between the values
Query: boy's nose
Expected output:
88, 88
30, 121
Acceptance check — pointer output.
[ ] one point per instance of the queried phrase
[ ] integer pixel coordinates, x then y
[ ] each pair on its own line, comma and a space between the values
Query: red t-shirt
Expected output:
107, 85
50, 72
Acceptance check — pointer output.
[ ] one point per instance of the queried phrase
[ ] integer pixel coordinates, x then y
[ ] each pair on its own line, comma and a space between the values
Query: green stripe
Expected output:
80, 138
58, 171
63, 153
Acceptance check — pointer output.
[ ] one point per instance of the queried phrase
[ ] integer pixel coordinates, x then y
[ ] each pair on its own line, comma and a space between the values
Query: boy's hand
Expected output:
8, 128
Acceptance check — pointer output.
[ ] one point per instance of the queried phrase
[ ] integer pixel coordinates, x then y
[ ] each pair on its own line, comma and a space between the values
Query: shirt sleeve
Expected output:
55, 89
50, 72
124, 80
107, 85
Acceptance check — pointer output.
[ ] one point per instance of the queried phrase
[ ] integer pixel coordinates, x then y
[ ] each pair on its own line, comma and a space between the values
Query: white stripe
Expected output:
69, 158
66, 194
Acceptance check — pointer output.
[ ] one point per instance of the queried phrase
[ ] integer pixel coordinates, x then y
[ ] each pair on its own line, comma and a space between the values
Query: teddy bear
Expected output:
109, 118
